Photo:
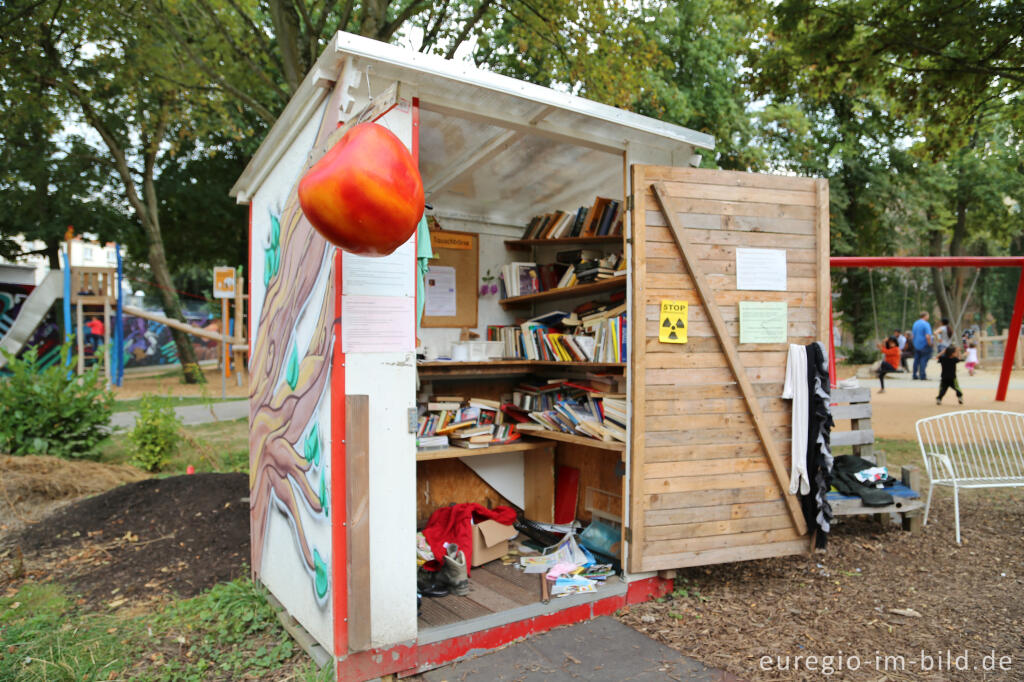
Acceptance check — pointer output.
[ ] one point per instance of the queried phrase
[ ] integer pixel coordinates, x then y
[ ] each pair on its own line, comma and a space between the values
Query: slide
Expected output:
32, 312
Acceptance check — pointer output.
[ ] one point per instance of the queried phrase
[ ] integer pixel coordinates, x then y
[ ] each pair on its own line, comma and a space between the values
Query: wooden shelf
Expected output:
578, 440
451, 453
492, 368
610, 284
564, 241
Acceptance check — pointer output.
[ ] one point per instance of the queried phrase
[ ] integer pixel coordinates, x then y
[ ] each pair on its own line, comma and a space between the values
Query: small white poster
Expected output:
761, 269
440, 301
391, 275
377, 324
763, 322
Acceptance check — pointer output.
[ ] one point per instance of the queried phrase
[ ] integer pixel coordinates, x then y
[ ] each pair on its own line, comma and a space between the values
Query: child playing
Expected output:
971, 361
890, 360
948, 361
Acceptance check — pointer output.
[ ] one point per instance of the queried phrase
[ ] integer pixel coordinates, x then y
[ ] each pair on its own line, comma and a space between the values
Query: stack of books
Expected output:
595, 332
520, 279
605, 217
453, 421
614, 413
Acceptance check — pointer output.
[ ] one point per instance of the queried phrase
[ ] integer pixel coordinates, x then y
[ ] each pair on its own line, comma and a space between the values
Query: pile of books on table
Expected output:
572, 407
596, 334
448, 421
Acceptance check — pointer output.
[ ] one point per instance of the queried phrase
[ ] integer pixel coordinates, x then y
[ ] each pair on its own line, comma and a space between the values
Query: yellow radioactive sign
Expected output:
672, 322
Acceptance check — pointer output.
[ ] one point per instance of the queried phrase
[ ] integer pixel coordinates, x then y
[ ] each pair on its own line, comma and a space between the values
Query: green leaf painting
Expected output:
321, 583
311, 448
292, 373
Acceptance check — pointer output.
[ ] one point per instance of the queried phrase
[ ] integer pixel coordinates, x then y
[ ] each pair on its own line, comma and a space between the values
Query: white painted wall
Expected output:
389, 379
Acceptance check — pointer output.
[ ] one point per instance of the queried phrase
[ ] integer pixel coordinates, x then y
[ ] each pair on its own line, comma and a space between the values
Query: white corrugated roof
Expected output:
487, 139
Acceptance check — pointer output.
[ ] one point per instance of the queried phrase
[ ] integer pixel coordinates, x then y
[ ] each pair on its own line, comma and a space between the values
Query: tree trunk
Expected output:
172, 308
938, 283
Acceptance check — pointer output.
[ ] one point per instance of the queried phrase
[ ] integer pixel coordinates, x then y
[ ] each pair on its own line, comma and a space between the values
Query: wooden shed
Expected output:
338, 485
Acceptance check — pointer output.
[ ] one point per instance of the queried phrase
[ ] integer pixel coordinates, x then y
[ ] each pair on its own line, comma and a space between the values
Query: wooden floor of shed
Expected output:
493, 587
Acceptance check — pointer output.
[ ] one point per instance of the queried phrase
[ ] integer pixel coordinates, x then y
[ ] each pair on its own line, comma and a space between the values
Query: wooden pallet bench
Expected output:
854, 404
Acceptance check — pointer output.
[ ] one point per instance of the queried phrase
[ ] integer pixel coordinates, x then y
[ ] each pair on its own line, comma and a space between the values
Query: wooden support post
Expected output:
106, 341
911, 477
239, 332
224, 356
539, 484
357, 480
80, 320
732, 357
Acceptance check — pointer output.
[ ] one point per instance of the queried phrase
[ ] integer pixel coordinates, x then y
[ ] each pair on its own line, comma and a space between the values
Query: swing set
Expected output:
1013, 334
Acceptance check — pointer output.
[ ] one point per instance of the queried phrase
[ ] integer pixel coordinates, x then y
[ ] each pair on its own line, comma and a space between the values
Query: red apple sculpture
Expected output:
366, 194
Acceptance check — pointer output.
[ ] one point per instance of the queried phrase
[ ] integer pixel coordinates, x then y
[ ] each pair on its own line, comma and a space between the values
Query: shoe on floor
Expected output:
960, 400
431, 584
938, 401
454, 571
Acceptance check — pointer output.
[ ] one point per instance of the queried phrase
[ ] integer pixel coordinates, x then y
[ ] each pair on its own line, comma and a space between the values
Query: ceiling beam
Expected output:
523, 125
474, 158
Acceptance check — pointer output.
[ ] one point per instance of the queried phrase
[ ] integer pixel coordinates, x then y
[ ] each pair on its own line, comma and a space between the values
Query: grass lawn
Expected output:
218, 446
229, 632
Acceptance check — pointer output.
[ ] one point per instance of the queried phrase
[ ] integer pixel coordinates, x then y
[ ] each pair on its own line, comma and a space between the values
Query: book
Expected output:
454, 426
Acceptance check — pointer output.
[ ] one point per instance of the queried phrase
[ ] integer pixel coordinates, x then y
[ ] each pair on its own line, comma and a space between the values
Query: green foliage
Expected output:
155, 438
50, 411
41, 643
229, 632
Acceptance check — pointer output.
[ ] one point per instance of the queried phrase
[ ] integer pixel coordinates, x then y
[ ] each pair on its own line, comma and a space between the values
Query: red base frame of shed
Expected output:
403, 660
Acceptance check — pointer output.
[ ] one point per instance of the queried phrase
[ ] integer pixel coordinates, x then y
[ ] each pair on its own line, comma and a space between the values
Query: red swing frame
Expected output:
1013, 334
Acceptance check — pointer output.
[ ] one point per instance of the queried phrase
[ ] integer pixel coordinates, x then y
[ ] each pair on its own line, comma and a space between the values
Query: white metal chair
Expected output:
972, 449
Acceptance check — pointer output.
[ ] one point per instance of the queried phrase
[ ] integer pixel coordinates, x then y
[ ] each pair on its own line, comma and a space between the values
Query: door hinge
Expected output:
627, 533
629, 203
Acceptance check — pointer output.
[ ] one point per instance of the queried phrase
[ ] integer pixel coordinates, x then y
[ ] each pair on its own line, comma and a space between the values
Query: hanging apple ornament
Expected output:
365, 195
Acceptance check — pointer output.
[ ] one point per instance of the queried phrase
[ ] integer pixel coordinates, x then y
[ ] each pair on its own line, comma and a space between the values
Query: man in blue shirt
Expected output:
922, 340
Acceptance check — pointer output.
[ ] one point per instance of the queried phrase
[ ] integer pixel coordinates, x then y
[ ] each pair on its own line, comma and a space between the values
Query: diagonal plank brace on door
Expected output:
732, 357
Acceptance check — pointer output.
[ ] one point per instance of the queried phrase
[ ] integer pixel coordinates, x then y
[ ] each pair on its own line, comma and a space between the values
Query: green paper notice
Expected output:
763, 322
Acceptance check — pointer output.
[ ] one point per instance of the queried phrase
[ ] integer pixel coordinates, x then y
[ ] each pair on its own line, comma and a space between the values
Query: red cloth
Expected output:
455, 524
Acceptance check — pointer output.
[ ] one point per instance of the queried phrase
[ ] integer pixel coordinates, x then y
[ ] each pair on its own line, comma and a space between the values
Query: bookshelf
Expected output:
449, 453
523, 244
610, 284
578, 440
491, 368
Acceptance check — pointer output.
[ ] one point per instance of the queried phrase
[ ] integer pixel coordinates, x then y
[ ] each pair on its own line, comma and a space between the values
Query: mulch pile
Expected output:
141, 541
875, 592
32, 486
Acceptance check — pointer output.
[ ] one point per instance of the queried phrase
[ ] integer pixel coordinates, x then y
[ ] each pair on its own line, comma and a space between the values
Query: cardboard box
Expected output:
490, 541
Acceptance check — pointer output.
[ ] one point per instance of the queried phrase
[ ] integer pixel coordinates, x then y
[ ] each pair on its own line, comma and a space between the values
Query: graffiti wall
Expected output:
292, 313
46, 337
148, 343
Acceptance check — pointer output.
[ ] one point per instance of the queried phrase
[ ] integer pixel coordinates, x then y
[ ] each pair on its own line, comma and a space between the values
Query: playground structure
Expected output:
1012, 334
89, 292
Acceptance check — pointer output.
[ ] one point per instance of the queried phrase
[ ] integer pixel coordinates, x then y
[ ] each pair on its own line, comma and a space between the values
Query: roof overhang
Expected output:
503, 125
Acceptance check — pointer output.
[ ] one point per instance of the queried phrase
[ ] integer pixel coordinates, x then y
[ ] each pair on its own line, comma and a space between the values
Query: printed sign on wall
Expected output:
672, 322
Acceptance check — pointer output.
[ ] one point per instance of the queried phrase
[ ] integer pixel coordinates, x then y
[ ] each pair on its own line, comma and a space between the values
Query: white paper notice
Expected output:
761, 269
440, 292
392, 275
377, 324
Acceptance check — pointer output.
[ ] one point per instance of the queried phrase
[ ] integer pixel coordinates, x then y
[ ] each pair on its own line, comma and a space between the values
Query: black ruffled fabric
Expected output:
817, 511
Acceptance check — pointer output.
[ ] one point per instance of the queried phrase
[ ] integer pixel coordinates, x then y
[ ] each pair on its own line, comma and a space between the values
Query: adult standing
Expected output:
943, 337
922, 341
901, 343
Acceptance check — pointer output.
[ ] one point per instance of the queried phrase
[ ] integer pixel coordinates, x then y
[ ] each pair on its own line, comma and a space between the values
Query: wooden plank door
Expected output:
709, 462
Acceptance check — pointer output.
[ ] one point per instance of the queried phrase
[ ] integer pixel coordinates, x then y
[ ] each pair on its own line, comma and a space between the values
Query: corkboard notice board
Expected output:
458, 251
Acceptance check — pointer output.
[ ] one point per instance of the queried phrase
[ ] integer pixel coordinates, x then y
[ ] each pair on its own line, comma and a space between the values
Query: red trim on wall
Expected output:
410, 658
248, 280
339, 502
651, 588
